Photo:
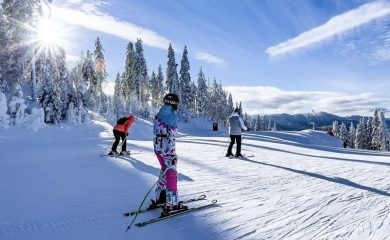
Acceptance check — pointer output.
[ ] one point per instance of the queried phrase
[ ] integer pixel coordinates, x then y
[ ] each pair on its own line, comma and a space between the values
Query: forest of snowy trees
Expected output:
36, 84
371, 133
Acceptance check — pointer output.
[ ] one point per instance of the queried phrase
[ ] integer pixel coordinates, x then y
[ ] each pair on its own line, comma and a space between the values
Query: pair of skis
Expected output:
120, 155
170, 214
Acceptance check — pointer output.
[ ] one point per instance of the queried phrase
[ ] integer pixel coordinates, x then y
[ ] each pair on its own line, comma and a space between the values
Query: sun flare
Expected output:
50, 35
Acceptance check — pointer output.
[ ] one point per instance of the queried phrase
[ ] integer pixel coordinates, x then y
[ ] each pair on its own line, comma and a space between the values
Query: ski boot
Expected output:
229, 155
238, 155
170, 209
158, 202
125, 153
112, 153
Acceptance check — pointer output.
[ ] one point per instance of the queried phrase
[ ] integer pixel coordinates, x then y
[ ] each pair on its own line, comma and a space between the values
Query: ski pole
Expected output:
143, 200
224, 149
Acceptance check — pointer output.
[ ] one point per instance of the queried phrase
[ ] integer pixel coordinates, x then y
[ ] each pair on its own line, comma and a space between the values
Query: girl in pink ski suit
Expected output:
164, 129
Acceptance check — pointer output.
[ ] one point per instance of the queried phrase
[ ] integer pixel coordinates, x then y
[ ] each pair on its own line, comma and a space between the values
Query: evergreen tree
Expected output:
19, 18
383, 133
129, 87
17, 107
344, 134
230, 104
352, 136
240, 108
101, 75
185, 82
4, 118
368, 139
258, 125
3, 51
160, 79
336, 128
375, 126
50, 100
155, 91
141, 74
89, 77
117, 99
360, 138
172, 82
202, 94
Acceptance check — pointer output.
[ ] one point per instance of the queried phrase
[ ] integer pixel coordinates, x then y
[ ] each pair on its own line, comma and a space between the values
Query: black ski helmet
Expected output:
237, 110
171, 99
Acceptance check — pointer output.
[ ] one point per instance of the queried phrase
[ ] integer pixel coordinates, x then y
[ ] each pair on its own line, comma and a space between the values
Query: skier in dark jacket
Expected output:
121, 131
235, 124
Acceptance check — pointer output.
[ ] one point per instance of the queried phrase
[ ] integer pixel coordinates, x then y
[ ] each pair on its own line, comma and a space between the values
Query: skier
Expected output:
235, 124
164, 129
121, 132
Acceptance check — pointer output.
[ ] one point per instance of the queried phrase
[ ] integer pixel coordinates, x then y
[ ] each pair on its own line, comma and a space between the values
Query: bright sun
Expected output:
50, 35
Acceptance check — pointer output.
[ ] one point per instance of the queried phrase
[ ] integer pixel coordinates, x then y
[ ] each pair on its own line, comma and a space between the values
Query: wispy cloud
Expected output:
268, 100
335, 26
88, 16
72, 58
207, 57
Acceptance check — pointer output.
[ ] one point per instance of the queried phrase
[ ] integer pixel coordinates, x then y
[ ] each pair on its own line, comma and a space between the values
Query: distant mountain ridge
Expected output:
321, 120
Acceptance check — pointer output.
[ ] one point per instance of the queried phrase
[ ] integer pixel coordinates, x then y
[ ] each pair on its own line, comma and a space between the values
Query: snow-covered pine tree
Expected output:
172, 81
202, 94
117, 102
383, 133
344, 134
230, 106
50, 99
352, 136
17, 107
110, 115
89, 76
19, 18
368, 139
269, 125
101, 75
3, 51
360, 138
129, 88
4, 117
213, 109
192, 98
375, 126
336, 128
141, 73
185, 86
241, 111
258, 125
155, 92
160, 79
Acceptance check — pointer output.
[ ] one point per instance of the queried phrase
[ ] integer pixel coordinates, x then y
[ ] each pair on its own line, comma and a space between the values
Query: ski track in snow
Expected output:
292, 188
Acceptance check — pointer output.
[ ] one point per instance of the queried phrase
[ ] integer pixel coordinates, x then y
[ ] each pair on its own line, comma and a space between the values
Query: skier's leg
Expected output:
116, 142
162, 181
238, 152
232, 141
172, 197
124, 139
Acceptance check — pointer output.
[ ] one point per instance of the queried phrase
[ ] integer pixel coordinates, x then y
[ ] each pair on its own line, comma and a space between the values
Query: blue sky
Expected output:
287, 56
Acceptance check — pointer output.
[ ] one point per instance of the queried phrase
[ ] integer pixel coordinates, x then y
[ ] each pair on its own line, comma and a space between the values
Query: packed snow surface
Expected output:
291, 185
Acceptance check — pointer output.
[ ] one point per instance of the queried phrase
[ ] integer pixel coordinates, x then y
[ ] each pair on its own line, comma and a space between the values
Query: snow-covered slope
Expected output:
292, 185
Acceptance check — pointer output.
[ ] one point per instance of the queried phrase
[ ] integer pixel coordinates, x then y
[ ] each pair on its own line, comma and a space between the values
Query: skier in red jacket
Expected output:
121, 131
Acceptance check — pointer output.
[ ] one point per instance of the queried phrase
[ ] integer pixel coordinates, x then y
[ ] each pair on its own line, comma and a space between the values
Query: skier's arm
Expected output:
242, 124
